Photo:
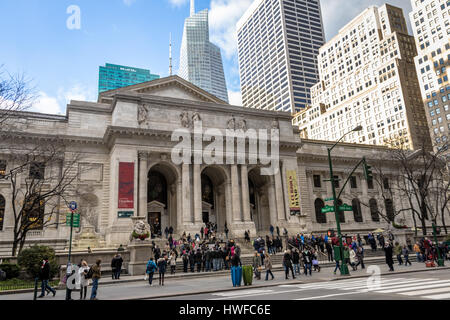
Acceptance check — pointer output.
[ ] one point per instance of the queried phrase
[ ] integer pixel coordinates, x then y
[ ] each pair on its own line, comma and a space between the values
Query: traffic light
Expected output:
368, 172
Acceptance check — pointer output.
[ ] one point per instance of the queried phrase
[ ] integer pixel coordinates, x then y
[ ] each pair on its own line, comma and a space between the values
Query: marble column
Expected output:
186, 194
197, 194
245, 193
179, 208
272, 202
279, 197
228, 204
143, 184
236, 199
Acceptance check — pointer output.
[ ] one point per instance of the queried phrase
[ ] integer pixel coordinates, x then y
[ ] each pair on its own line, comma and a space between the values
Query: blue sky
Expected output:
63, 63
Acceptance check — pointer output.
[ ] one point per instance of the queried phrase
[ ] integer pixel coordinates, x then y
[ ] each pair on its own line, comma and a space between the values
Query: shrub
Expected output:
31, 260
12, 270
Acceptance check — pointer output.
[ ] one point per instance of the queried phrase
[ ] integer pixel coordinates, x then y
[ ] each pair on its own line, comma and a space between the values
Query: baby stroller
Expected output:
315, 264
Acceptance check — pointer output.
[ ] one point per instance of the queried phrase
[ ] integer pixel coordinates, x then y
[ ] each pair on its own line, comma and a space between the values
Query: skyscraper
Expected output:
200, 60
278, 44
431, 25
368, 78
113, 76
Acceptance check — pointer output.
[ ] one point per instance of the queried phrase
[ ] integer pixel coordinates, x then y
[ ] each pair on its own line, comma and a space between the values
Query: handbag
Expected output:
146, 277
315, 262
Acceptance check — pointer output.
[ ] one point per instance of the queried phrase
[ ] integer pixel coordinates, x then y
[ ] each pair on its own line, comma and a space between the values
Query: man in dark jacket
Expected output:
287, 262
329, 251
192, 261
44, 275
198, 260
307, 261
388, 250
296, 261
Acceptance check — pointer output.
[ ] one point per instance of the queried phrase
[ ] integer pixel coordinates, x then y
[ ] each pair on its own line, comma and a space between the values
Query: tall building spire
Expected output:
192, 7
170, 55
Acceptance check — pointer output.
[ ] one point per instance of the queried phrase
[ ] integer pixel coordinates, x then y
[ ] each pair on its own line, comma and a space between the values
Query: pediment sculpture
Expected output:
231, 124
184, 118
143, 115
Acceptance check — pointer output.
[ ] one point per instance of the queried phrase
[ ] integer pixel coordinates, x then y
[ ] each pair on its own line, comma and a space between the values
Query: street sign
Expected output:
345, 207
329, 199
327, 209
76, 220
73, 206
125, 214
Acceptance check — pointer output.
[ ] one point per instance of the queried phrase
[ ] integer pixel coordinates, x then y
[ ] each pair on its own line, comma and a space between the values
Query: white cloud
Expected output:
235, 98
129, 2
223, 16
76, 92
178, 3
337, 13
46, 104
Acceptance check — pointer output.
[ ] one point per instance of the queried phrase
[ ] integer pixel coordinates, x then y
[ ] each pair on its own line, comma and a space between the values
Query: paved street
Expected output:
434, 285
427, 283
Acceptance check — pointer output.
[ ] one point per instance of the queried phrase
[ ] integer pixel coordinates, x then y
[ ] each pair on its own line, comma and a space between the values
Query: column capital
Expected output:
143, 155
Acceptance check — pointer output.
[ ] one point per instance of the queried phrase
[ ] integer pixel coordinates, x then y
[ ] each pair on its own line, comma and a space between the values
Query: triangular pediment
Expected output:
169, 87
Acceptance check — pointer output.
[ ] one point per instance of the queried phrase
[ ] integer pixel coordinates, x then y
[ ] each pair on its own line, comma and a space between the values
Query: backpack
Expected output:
89, 274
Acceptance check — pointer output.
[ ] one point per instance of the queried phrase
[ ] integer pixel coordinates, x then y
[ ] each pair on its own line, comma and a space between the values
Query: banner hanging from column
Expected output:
293, 192
126, 185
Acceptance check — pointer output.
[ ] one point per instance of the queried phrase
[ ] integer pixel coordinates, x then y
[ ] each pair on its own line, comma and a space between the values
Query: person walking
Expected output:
307, 260
398, 252
360, 258
278, 231
287, 262
296, 261
271, 229
173, 262
84, 281
352, 255
96, 275
256, 265
192, 260
166, 232
268, 266
418, 252
405, 253
185, 258
44, 275
198, 260
116, 265
162, 266
388, 251
150, 270
329, 251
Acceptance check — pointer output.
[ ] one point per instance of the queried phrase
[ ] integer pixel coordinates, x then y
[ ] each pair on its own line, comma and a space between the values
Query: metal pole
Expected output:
35, 288
344, 268
70, 253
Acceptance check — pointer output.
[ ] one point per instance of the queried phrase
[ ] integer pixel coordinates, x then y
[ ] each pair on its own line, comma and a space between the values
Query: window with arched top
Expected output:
357, 213
320, 217
2, 211
389, 204
373, 204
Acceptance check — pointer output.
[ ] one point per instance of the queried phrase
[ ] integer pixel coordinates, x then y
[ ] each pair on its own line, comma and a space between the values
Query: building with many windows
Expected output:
278, 43
201, 60
431, 25
113, 76
368, 78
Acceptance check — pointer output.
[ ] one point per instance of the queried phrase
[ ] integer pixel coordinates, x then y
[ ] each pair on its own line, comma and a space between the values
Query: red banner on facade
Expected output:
126, 185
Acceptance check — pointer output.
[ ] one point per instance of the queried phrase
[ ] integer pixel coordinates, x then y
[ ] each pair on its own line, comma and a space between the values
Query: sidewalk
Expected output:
189, 285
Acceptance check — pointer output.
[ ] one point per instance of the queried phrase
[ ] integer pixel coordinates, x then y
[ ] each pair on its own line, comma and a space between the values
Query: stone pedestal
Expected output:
403, 236
140, 252
88, 238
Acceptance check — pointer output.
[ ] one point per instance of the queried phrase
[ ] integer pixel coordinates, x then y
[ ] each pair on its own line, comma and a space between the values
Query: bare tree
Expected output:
16, 94
42, 181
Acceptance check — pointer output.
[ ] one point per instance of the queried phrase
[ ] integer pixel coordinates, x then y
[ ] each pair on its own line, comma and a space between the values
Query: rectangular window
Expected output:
2, 169
37, 170
317, 181
370, 184
336, 181
386, 183
353, 183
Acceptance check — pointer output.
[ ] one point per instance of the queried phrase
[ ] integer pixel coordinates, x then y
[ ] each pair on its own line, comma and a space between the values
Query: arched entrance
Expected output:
259, 200
162, 198
214, 196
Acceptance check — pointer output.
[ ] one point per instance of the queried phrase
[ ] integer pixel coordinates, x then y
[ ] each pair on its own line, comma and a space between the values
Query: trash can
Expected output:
247, 272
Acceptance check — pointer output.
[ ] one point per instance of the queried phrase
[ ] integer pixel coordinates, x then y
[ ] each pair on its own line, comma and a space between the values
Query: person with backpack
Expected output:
96, 273
150, 270
84, 280
405, 253
162, 266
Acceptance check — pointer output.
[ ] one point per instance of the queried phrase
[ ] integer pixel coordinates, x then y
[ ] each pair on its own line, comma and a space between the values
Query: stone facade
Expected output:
135, 125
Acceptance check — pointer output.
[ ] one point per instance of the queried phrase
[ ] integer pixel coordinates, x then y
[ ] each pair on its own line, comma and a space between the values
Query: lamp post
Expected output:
344, 268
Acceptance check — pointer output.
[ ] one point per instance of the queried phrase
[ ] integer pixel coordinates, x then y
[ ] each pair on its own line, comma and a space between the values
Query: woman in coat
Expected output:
162, 265
173, 262
256, 265
287, 262
84, 283
353, 259
388, 250
268, 266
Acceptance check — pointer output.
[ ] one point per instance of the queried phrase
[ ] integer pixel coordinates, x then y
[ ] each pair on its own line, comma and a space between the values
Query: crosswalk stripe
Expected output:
342, 283
417, 287
240, 293
363, 284
439, 296
387, 286
427, 291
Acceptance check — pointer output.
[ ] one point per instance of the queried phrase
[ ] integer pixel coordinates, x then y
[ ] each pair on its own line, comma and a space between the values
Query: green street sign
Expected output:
76, 220
329, 199
327, 209
345, 207
125, 214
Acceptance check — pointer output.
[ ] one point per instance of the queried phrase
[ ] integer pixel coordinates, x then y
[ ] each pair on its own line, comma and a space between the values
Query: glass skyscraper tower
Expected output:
278, 44
200, 60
